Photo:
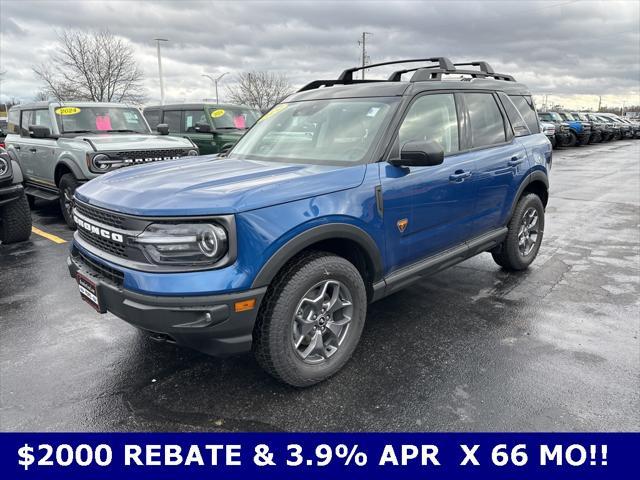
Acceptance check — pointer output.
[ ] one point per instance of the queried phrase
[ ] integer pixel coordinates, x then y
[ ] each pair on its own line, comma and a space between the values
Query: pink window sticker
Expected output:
238, 122
103, 122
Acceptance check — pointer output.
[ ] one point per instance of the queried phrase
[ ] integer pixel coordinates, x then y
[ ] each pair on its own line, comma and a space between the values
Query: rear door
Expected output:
428, 209
501, 160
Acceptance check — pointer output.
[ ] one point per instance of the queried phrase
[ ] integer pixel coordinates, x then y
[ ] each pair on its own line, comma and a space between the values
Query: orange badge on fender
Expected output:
402, 224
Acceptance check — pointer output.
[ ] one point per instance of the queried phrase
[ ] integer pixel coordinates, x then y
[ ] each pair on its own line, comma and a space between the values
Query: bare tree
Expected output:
93, 66
259, 89
41, 95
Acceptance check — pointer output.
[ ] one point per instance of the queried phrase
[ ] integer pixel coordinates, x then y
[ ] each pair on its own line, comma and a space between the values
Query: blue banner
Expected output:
318, 455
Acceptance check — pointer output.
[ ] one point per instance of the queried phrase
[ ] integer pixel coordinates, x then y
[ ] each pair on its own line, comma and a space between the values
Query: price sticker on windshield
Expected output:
274, 111
217, 113
67, 111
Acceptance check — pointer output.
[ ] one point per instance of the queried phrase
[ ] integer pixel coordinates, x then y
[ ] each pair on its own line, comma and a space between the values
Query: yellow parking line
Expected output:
53, 238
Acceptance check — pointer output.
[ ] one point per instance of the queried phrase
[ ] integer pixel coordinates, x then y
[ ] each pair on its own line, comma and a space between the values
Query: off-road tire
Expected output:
67, 185
15, 221
272, 345
507, 254
573, 140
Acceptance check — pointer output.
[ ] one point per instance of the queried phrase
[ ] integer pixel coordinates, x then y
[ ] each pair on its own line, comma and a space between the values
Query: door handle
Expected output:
17, 147
459, 176
33, 150
515, 161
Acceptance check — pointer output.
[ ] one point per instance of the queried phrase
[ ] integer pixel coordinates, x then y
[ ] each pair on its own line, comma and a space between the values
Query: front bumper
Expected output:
209, 324
10, 193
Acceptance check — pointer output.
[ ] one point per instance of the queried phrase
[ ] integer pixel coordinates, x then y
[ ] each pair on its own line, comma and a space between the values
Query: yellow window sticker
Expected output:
67, 111
217, 113
274, 111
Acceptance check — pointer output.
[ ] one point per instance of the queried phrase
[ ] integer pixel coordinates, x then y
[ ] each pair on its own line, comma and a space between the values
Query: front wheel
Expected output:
15, 221
67, 187
525, 230
311, 319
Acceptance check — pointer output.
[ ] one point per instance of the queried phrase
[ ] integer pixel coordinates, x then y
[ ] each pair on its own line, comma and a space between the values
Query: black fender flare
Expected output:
18, 177
316, 234
536, 175
71, 166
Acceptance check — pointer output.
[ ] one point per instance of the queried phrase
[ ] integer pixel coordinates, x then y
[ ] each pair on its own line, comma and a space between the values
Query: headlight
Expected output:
184, 244
100, 163
192, 153
5, 166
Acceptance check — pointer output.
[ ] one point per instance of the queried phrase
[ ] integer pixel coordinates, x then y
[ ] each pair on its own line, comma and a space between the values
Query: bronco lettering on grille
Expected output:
94, 229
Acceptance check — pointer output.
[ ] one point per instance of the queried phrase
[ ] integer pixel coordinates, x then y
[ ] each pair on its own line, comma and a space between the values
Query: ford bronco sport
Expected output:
61, 145
344, 193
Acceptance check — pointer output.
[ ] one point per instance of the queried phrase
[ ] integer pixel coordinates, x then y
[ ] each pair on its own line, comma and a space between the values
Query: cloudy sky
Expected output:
571, 51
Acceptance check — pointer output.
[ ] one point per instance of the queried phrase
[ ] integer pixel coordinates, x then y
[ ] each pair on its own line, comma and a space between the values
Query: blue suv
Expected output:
344, 193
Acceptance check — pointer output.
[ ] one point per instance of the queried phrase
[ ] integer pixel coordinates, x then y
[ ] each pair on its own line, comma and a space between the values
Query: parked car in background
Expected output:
3, 130
580, 131
15, 217
597, 127
608, 132
61, 145
562, 131
337, 197
212, 127
626, 130
549, 129
614, 127
635, 126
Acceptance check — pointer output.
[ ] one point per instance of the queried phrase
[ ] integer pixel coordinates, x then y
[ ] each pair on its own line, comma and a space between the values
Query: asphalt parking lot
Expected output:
472, 349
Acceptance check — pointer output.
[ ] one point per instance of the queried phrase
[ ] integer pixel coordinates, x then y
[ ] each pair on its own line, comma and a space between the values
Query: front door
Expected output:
428, 209
203, 140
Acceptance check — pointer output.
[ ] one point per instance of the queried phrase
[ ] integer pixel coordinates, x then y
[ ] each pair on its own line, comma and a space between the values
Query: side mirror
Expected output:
419, 153
39, 131
162, 129
203, 128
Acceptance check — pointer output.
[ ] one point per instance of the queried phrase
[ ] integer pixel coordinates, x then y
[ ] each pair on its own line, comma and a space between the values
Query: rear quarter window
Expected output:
524, 104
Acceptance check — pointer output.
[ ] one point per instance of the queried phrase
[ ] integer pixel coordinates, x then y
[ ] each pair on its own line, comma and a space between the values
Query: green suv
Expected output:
212, 127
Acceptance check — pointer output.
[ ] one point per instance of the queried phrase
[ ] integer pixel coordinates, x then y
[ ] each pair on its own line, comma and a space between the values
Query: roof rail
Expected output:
346, 77
424, 73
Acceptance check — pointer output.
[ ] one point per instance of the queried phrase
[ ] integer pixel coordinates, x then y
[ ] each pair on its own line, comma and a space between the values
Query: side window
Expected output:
26, 119
432, 117
191, 117
487, 124
517, 122
153, 118
41, 117
527, 109
173, 118
13, 121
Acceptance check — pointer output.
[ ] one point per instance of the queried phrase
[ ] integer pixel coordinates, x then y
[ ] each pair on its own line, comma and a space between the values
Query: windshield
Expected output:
550, 117
567, 116
233, 117
98, 119
581, 116
318, 131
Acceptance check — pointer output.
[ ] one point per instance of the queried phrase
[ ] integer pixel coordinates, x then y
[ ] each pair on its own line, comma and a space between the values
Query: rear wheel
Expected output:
573, 140
525, 230
15, 221
311, 319
67, 187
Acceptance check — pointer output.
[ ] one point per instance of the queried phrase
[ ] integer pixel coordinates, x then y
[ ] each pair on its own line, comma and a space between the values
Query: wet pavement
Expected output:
473, 348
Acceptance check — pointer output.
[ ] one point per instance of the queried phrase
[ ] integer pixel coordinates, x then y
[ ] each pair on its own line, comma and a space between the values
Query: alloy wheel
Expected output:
528, 232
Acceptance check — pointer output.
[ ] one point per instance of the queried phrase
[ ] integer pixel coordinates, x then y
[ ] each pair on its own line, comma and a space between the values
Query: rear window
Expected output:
487, 124
524, 104
517, 122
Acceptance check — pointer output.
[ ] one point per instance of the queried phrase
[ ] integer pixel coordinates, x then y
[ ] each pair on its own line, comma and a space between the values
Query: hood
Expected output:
209, 186
133, 141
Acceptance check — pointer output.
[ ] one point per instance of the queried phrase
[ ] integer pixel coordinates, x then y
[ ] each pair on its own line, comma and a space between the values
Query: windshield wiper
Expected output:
228, 128
123, 130
78, 131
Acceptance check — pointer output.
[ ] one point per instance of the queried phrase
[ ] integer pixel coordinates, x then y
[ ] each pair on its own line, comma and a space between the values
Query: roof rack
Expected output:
346, 77
424, 73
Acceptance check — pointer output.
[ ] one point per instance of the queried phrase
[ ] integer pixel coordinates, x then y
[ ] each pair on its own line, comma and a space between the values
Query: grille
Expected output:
140, 156
98, 215
115, 276
104, 244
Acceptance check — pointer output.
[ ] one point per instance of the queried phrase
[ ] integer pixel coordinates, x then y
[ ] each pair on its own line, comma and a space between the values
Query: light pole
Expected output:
215, 82
158, 40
